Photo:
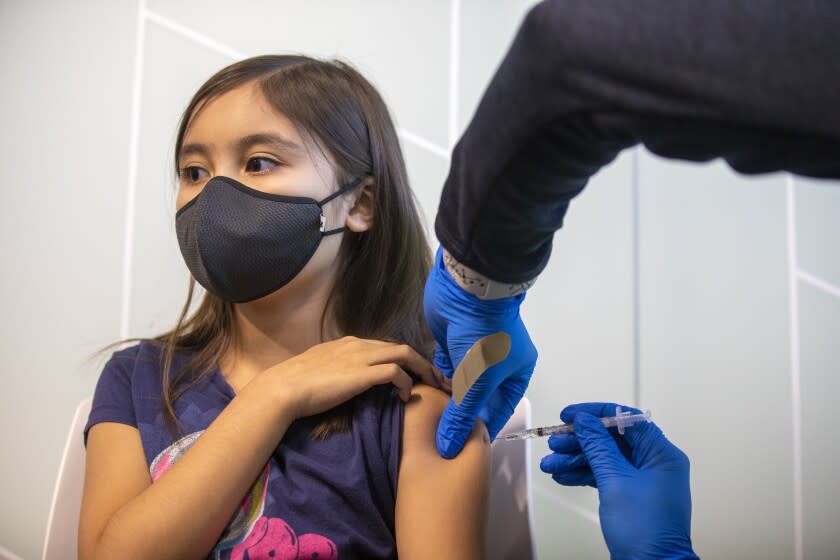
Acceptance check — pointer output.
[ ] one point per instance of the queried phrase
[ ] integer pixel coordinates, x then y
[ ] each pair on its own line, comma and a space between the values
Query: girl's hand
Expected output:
332, 373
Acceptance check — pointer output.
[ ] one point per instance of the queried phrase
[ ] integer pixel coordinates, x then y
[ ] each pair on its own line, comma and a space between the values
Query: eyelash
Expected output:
184, 172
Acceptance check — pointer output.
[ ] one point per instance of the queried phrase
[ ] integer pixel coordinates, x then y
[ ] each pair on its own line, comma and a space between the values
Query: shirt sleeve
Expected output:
585, 79
112, 399
393, 413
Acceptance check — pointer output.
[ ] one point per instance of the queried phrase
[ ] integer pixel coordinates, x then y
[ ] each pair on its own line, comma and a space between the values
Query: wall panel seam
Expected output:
454, 69
818, 282
568, 505
637, 278
131, 186
795, 378
225, 50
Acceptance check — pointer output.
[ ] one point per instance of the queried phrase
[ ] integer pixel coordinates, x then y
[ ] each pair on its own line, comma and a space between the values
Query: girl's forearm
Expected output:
182, 515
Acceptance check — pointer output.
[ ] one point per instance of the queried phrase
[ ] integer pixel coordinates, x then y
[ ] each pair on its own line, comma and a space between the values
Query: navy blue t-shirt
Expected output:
314, 498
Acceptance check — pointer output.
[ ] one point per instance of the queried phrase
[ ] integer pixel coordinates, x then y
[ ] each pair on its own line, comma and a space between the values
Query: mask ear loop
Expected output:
339, 192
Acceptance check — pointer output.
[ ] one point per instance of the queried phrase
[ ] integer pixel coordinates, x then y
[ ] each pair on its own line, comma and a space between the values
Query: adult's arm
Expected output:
756, 83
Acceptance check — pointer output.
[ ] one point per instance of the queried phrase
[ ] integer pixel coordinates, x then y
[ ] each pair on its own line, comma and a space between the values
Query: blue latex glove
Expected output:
457, 320
642, 481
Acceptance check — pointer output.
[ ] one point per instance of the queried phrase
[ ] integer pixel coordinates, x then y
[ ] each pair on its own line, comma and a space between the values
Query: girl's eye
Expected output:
193, 174
260, 165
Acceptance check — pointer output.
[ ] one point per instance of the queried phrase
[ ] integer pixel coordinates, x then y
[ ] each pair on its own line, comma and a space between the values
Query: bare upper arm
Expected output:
441, 503
115, 473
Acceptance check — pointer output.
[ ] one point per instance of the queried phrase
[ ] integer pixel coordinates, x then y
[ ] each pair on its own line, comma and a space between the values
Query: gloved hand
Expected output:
642, 481
457, 320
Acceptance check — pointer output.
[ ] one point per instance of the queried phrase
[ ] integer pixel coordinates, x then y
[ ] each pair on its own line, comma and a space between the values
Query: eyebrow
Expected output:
267, 138
244, 143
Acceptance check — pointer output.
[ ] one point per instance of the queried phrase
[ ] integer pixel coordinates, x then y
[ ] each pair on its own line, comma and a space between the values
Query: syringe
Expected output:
621, 420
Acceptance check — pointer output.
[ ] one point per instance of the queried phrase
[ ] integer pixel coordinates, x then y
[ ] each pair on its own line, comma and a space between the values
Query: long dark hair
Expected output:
382, 271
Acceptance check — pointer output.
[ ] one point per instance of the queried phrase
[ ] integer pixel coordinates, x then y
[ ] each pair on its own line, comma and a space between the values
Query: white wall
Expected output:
710, 298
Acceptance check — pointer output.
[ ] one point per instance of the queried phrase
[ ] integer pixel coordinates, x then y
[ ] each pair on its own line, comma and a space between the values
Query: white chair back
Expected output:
63, 523
510, 534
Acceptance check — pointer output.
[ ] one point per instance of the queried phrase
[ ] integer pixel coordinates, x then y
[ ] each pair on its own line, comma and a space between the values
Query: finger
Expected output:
580, 477
502, 404
564, 443
457, 420
644, 439
595, 409
561, 462
443, 362
365, 341
427, 374
602, 453
431, 377
394, 374
454, 428
406, 357
637, 438
443, 383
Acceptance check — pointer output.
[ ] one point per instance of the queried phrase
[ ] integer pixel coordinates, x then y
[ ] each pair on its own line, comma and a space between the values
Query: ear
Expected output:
360, 217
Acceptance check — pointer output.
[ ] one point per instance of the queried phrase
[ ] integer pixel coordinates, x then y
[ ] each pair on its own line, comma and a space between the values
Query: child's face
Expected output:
239, 135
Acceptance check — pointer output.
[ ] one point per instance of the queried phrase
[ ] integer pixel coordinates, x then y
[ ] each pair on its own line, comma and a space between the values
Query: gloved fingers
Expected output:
651, 449
568, 469
601, 450
485, 399
482, 397
562, 462
595, 409
601, 410
457, 420
642, 434
502, 404
564, 443
454, 428
579, 477
442, 361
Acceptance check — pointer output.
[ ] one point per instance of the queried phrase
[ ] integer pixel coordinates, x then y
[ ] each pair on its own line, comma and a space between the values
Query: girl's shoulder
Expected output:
126, 381
145, 350
146, 355
136, 369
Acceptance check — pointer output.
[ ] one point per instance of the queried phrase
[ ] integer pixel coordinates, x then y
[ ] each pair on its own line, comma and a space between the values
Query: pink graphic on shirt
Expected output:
273, 538
248, 531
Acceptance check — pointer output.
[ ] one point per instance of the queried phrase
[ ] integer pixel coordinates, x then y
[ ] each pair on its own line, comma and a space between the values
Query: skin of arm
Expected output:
125, 516
442, 504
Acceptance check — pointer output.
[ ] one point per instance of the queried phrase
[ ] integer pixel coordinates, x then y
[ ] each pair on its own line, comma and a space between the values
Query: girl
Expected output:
279, 420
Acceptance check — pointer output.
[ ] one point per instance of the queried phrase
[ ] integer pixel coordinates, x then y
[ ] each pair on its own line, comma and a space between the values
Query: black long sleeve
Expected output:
755, 82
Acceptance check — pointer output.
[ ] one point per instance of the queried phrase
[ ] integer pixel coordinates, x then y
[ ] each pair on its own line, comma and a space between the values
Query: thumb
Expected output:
454, 428
501, 405
601, 450
458, 419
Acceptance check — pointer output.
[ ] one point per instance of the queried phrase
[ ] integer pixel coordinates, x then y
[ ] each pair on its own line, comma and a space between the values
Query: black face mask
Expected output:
242, 244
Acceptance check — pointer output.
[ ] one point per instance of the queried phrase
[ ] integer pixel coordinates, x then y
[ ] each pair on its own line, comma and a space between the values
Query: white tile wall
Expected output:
818, 237
714, 347
686, 288
819, 325
64, 116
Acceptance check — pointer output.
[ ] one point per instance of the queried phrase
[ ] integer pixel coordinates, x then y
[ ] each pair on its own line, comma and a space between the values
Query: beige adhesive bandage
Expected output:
485, 353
